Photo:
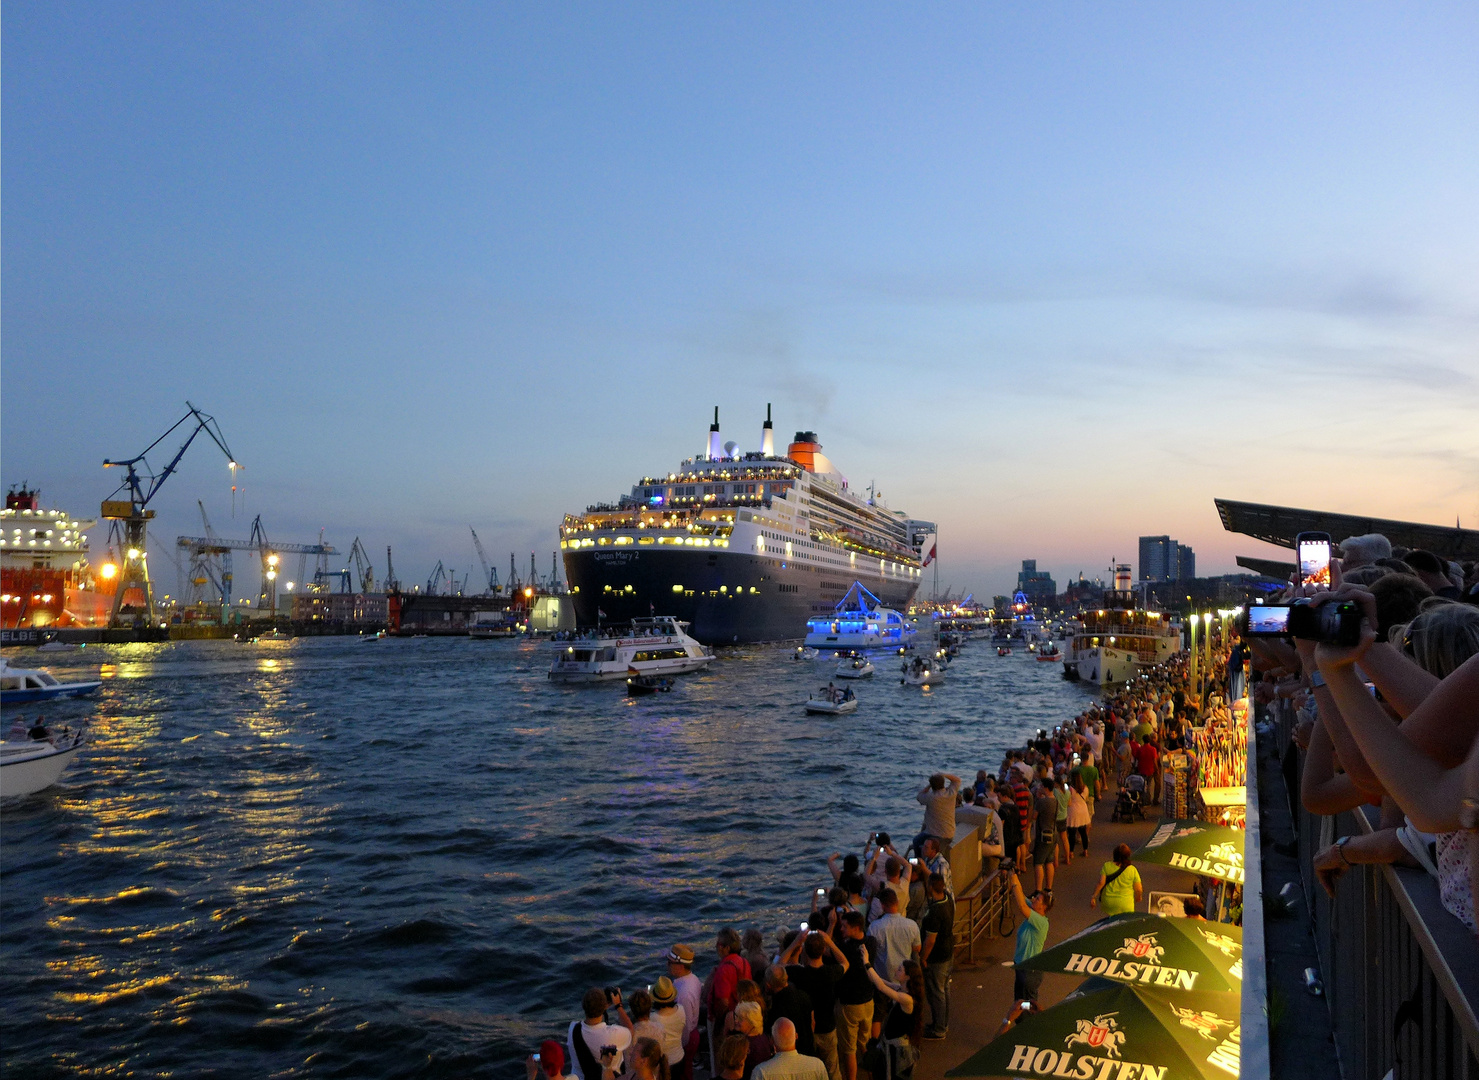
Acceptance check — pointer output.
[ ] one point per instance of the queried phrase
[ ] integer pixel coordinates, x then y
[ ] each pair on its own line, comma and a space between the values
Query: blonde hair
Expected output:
748, 1018
1442, 636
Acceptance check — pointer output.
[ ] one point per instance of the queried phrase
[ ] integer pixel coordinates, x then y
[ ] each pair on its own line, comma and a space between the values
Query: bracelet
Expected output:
1317, 679
1340, 849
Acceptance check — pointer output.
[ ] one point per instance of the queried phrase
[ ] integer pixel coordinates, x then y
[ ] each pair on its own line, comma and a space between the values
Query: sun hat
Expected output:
681, 954
663, 992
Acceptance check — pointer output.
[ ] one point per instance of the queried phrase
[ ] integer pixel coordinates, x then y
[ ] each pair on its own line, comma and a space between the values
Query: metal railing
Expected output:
1401, 974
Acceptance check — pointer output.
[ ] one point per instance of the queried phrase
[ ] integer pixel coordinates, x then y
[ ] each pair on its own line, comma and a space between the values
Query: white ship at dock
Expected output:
744, 546
1118, 639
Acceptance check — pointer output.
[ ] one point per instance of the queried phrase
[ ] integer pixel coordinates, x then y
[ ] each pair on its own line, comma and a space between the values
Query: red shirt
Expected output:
1145, 759
727, 975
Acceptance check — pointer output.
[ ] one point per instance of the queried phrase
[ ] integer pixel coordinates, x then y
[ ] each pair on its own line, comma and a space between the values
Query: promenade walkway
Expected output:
981, 994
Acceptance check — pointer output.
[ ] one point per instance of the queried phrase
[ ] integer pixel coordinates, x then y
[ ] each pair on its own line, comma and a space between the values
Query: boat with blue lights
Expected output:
743, 546
860, 622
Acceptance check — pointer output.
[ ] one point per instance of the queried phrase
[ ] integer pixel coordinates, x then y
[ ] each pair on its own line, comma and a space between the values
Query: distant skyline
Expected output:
1055, 278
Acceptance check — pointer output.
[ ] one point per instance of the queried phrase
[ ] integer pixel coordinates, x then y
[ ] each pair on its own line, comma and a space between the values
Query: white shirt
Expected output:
789, 1065
674, 1023
690, 995
597, 1036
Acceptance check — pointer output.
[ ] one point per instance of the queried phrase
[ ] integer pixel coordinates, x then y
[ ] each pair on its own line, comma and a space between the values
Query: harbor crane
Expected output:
129, 516
439, 577
269, 553
362, 567
490, 573
391, 584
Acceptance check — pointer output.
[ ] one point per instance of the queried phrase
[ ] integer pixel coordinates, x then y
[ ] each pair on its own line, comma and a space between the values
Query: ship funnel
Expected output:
767, 435
716, 446
1122, 577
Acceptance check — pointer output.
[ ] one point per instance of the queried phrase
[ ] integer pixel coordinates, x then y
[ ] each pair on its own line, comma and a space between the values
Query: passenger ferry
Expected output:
1117, 640
860, 621
655, 646
744, 546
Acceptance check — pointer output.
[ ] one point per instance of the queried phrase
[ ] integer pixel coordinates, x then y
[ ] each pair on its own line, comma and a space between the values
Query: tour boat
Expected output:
30, 765
1119, 639
485, 629
656, 646
860, 621
835, 701
35, 684
856, 668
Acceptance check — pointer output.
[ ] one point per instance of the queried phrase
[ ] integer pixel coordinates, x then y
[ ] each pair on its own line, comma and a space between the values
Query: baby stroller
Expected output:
1131, 801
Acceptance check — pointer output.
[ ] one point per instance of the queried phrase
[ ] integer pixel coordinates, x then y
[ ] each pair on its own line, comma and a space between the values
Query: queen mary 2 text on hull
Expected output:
744, 546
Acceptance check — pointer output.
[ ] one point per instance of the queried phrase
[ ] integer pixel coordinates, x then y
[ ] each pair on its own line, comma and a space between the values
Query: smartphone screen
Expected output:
1314, 558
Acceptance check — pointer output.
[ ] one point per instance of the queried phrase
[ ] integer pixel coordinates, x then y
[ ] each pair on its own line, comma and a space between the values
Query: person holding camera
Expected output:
1032, 935
595, 1046
548, 1064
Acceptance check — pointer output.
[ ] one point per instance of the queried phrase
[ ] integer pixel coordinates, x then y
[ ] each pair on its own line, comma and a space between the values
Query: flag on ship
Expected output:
930, 557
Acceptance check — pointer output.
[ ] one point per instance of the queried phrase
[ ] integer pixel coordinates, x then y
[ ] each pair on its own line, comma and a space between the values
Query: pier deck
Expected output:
981, 994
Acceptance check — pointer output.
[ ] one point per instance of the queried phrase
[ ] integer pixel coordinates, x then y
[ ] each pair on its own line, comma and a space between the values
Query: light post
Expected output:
1191, 670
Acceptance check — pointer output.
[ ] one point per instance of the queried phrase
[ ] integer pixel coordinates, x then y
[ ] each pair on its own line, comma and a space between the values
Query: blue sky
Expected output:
1054, 276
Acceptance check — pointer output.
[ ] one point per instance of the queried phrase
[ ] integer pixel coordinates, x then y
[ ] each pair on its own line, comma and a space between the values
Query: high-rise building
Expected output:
1164, 559
1037, 585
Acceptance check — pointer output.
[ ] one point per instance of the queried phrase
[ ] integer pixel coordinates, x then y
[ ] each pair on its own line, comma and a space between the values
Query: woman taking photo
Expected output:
903, 1029
1119, 885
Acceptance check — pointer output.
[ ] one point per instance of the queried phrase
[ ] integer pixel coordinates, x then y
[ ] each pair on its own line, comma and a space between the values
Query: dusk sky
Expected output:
1052, 275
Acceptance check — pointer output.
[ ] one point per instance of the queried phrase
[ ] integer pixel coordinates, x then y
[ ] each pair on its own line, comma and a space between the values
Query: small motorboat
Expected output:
834, 701
1049, 653
57, 646
856, 668
806, 652
274, 635
919, 672
638, 685
36, 684
376, 636
1003, 650
29, 764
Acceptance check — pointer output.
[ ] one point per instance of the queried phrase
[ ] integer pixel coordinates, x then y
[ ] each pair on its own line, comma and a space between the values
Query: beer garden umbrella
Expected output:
1109, 1030
1151, 951
1213, 851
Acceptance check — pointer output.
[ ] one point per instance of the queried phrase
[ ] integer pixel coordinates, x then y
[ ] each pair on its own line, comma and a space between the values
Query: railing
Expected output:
1401, 975
983, 910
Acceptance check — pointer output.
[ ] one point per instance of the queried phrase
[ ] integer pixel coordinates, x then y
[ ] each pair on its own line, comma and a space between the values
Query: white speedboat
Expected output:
30, 765
856, 668
804, 653
659, 646
834, 701
57, 646
860, 621
274, 635
921, 672
19, 685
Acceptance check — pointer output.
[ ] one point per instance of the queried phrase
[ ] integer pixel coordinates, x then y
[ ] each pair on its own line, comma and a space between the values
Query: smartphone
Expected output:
536, 1059
804, 928
1313, 549
1265, 620
821, 892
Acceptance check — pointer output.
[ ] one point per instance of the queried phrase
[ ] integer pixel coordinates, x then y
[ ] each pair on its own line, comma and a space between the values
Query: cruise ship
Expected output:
743, 546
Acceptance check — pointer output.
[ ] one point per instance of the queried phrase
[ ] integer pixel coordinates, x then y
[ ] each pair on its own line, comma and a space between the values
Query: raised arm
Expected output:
905, 1001
1425, 781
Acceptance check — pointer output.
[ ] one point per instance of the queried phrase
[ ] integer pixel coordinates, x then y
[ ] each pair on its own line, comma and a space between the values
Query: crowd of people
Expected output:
1393, 720
865, 980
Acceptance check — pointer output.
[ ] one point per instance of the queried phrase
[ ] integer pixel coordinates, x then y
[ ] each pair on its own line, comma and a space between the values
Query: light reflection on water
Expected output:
413, 856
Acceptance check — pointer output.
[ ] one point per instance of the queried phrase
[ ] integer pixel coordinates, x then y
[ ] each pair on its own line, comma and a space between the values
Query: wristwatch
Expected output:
1317, 678
1340, 849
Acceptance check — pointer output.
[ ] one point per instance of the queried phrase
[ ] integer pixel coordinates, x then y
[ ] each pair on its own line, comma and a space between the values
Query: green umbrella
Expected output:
1105, 1031
1213, 851
1152, 952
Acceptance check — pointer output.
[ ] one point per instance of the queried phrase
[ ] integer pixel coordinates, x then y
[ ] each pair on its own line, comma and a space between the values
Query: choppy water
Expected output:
410, 858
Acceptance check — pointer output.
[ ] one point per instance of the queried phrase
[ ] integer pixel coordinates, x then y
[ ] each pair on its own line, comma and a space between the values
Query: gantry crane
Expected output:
269, 553
391, 584
362, 567
129, 516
